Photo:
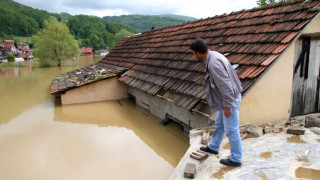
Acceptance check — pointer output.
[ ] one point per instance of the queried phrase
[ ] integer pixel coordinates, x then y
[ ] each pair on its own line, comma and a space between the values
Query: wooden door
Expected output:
306, 77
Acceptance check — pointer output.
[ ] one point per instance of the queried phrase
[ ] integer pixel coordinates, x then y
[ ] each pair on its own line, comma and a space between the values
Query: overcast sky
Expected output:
193, 8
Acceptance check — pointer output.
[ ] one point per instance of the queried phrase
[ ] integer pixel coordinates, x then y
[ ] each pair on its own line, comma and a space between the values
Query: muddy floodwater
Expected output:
40, 139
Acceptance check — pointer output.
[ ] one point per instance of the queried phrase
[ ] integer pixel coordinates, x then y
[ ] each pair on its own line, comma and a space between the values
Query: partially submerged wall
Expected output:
166, 109
107, 89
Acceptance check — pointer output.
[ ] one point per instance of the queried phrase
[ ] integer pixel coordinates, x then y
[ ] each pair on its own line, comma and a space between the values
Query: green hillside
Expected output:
146, 22
19, 20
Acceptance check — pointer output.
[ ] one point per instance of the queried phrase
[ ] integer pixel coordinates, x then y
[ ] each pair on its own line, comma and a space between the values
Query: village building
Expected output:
275, 51
24, 44
87, 51
25, 52
8, 47
103, 52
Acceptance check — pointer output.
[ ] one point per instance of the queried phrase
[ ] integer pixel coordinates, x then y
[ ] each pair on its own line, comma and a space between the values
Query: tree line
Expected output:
90, 31
262, 3
146, 22
19, 20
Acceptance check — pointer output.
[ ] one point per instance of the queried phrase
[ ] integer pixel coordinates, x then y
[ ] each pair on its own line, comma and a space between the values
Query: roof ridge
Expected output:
279, 4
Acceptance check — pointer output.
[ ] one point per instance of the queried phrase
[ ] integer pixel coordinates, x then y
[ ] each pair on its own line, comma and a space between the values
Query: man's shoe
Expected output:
208, 150
228, 162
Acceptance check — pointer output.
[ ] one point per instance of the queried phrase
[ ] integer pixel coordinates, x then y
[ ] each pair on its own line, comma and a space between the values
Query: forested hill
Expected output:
17, 19
90, 31
146, 22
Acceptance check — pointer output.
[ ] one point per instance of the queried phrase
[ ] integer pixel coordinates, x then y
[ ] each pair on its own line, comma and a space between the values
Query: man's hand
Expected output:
227, 112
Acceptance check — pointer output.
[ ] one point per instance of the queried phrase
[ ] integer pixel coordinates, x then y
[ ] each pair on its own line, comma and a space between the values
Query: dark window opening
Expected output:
161, 92
131, 98
170, 119
303, 60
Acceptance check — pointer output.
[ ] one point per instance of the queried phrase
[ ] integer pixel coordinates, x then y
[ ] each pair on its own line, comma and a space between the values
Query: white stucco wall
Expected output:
269, 99
107, 89
314, 27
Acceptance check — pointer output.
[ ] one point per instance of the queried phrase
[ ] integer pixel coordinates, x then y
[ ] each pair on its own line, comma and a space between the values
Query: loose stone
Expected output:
312, 121
190, 171
296, 130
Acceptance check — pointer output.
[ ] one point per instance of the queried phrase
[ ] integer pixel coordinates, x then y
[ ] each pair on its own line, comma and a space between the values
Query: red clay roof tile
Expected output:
253, 38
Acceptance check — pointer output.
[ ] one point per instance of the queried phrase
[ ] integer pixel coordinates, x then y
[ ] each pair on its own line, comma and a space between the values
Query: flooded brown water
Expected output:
295, 139
307, 173
40, 139
222, 172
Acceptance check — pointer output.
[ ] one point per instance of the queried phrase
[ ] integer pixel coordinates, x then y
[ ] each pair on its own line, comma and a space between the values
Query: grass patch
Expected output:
23, 39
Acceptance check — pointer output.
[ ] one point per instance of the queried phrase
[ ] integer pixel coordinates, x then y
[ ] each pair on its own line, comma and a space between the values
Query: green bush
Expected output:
10, 57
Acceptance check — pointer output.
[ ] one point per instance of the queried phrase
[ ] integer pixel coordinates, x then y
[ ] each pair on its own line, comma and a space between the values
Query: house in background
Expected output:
87, 51
275, 50
25, 53
103, 52
8, 47
24, 45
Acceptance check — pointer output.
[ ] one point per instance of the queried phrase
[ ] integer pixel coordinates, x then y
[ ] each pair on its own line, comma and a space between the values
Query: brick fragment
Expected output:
199, 155
272, 129
190, 171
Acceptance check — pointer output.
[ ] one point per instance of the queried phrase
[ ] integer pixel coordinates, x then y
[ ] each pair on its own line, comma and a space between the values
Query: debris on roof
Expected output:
82, 76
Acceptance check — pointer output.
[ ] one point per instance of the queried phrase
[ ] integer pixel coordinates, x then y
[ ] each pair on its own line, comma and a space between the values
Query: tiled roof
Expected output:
23, 44
8, 41
21, 48
6, 46
86, 50
161, 61
254, 39
25, 55
83, 76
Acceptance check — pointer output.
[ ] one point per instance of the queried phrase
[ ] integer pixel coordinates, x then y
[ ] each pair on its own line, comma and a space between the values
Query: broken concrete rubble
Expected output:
282, 163
296, 130
251, 129
315, 130
312, 121
205, 137
284, 153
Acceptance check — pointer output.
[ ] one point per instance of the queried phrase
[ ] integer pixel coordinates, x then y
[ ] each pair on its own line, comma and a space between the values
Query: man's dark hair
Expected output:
199, 45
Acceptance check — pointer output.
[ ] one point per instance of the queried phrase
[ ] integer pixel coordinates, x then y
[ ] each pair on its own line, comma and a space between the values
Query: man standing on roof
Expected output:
223, 89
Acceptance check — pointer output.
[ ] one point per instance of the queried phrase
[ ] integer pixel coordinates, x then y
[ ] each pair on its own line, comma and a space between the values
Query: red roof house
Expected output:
85, 50
274, 50
8, 47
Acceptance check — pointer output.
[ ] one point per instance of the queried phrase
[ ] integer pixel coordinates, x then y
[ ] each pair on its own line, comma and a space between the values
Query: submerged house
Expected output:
275, 51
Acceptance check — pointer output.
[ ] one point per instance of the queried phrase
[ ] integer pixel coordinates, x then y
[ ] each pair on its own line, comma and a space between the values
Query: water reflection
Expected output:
40, 139
167, 141
24, 87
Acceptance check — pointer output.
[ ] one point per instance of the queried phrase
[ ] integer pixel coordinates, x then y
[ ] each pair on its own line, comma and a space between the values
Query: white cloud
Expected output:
95, 12
210, 8
198, 9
